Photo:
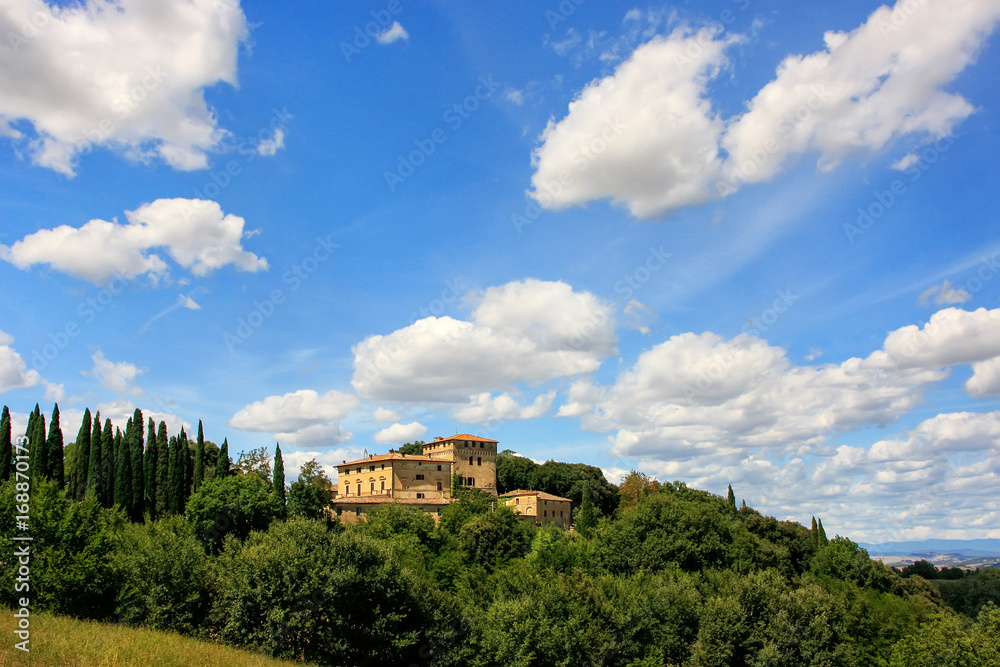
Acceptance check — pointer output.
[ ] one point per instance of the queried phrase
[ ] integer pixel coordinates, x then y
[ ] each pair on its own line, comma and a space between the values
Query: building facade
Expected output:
540, 507
474, 459
420, 481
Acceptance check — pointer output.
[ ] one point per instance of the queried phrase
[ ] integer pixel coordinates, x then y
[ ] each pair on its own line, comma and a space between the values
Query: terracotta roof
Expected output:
380, 500
394, 456
460, 436
541, 494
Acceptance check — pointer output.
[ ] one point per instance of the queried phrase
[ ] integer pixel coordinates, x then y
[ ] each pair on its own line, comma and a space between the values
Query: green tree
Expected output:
731, 497
278, 482
163, 574
175, 476
255, 462
6, 447
223, 467
81, 464
821, 534
415, 448
843, 559
495, 537
94, 464
186, 465
38, 452
199, 459
123, 469
920, 568
149, 470
303, 593
138, 482
514, 472
162, 470
311, 494
634, 487
54, 469
107, 465
586, 516
230, 506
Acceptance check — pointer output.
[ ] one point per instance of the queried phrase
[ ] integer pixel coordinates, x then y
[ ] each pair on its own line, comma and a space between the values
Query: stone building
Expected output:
474, 459
540, 507
420, 481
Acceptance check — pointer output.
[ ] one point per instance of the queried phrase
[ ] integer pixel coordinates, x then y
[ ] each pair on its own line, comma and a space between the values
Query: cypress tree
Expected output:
814, 534
36, 444
821, 534
224, 464
176, 477
81, 467
732, 497
149, 470
54, 451
94, 485
199, 459
107, 465
187, 467
743, 504
138, 476
278, 480
6, 447
162, 470
122, 495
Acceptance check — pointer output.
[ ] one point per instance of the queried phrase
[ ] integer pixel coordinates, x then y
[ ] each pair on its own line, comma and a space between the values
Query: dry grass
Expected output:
66, 642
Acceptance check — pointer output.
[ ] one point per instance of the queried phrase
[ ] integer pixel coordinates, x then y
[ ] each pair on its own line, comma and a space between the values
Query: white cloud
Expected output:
118, 377
299, 417
952, 336
294, 459
944, 295
392, 33
272, 145
193, 232
514, 96
128, 75
866, 88
188, 302
14, 372
524, 331
398, 434
485, 408
383, 415
905, 162
985, 380
120, 410
645, 137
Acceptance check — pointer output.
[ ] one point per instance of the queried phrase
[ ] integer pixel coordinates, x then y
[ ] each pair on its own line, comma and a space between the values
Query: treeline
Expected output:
142, 470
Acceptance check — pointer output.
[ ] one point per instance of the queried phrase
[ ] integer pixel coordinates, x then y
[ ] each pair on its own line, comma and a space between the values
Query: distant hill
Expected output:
970, 548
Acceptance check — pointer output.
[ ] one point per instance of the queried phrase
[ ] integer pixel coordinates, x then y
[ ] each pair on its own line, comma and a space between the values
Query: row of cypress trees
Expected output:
141, 473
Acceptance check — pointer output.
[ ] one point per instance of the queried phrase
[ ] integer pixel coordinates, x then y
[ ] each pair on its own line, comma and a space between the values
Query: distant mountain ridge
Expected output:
971, 548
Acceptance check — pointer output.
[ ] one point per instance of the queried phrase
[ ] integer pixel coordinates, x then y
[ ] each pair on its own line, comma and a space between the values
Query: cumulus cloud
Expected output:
524, 331
383, 415
127, 75
868, 87
645, 137
398, 434
14, 372
944, 295
300, 417
118, 376
272, 145
696, 393
194, 233
393, 33
485, 408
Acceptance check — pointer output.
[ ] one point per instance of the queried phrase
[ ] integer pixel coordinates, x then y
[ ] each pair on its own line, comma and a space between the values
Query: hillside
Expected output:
68, 642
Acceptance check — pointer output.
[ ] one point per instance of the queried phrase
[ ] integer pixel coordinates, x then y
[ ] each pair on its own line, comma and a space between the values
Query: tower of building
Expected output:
473, 459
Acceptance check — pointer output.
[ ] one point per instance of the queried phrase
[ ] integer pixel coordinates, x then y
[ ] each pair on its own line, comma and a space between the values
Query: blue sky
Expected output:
733, 242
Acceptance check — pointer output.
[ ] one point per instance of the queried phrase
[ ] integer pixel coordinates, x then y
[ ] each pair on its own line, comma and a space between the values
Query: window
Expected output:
340, 510
373, 487
439, 468
546, 512
439, 486
472, 481
420, 495
517, 501
420, 476
359, 488
560, 514
383, 466
479, 460
371, 468
383, 486
358, 471
470, 460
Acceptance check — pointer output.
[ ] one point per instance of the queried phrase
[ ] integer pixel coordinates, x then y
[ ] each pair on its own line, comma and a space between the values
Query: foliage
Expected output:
494, 537
311, 495
163, 574
415, 448
256, 462
843, 559
970, 595
278, 481
231, 506
513, 472
466, 504
302, 592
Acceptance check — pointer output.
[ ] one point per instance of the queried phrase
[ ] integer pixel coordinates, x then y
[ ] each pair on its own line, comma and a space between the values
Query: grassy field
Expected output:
65, 642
